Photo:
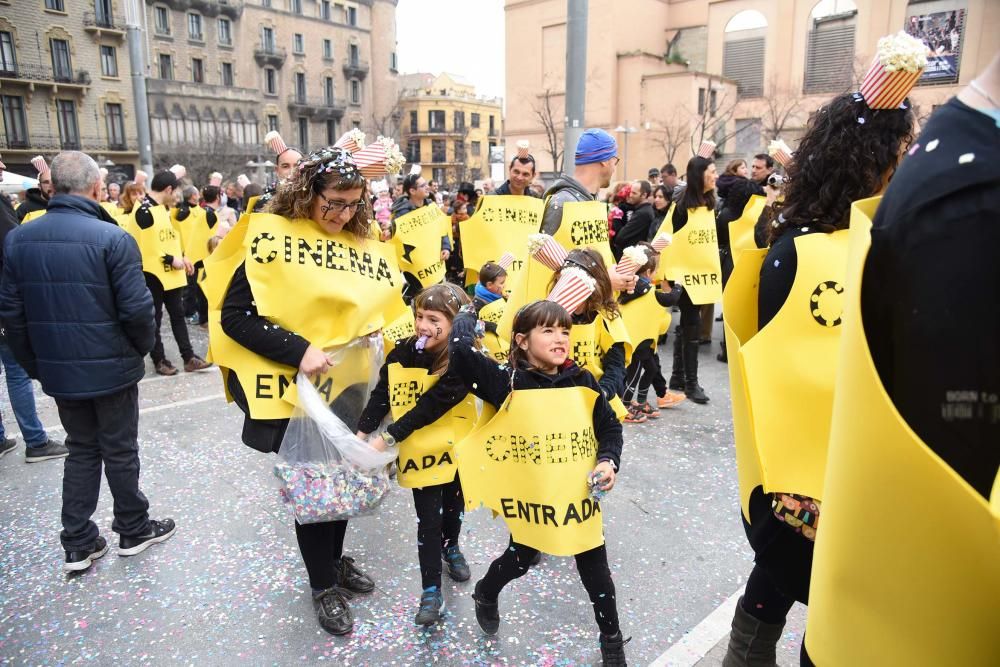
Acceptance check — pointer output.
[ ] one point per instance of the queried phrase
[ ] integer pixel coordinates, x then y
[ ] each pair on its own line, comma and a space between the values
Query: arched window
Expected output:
743, 52
830, 47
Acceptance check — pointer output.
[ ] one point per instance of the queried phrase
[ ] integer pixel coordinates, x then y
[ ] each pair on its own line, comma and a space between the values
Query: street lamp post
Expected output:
627, 130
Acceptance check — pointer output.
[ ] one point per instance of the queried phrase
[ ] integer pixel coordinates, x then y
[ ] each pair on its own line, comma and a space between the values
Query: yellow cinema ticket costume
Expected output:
399, 329
530, 465
328, 288
741, 229
113, 209
155, 242
917, 588
692, 258
497, 347
645, 319
500, 224
195, 233
33, 215
789, 367
426, 458
418, 244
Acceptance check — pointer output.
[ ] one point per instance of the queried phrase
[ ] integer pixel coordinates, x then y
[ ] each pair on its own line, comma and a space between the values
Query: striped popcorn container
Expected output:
661, 242
633, 258
371, 160
899, 61
547, 250
506, 261
178, 170
780, 151
38, 162
707, 149
243, 180
275, 142
573, 289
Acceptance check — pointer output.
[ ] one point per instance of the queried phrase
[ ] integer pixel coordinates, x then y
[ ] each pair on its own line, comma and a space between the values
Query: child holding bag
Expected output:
539, 359
432, 411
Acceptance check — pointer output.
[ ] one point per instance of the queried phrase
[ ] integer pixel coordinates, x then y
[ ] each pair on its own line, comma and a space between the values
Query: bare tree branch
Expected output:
670, 133
782, 107
552, 126
214, 152
713, 121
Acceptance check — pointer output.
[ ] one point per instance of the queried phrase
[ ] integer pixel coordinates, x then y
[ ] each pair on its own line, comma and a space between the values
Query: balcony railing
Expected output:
189, 89
270, 55
356, 69
319, 108
40, 143
42, 74
93, 22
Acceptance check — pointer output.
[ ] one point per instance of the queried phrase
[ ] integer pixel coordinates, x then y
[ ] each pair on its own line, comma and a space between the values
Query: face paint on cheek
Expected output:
438, 332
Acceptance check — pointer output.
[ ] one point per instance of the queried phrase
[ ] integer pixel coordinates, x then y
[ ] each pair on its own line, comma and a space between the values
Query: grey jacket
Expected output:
565, 189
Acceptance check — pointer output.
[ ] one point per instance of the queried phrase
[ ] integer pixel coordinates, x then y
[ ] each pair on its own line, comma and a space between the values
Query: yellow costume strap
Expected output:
667, 228
160, 239
251, 203
918, 587
113, 209
195, 234
530, 465
501, 224
741, 229
693, 257
426, 458
739, 302
418, 244
33, 215
497, 347
790, 368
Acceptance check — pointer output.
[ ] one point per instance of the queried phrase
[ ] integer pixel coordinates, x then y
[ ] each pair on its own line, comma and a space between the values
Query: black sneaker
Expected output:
80, 560
159, 531
487, 613
613, 650
332, 611
351, 578
7, 446
458, 567
431, 607
696, 394
50, 450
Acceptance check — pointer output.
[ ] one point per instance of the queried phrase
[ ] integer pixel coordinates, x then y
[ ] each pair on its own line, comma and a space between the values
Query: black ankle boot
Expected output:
691, 387
677, 374
613, 650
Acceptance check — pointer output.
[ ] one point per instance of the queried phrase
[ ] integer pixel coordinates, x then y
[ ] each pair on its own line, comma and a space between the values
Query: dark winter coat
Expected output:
34, 201
74, 301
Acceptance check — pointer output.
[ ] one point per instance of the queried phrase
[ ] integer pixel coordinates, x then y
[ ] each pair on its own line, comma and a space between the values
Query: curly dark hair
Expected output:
844, 156
321, 170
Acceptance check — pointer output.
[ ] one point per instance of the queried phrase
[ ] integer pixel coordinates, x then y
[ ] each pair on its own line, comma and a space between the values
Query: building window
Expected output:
328, 90
14, 121
477, 148
355, 92
493, 128
353, 54
439, 150
459, 121
324, 10
331, 131
225, 32
830, 48
166, 66
194, 28
435, 121
161, 20
116, 126
438, 174
227, 74
55, 5
300, 87
270, 81
69, 132
327, 49
265, 3
393, 65
475, 120
413, 122
103, 13
413, 150
267, 39
109, 61
303, 132
296, 7
743, 52
61, 66
352, 16
298, 43
475, 173
8, 59
459, 150
198, 70
272, 122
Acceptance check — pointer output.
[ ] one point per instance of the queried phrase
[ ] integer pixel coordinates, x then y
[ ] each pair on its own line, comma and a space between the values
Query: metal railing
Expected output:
93, 20
50, 142
42, 73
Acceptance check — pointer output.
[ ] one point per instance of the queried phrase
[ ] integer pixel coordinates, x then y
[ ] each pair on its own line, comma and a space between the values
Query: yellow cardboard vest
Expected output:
418, 244
645, 318
500, 224
156, 241
692, 258
920, 586
426, 458
530, 464
497, 347
741, 229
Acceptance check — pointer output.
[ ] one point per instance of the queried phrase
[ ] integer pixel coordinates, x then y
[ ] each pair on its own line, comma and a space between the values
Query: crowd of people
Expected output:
848, 238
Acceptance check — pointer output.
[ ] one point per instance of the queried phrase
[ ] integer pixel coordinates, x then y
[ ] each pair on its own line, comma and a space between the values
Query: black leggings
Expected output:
321, 544
594, 573
643, 372
174, 302
763, 600
439, 521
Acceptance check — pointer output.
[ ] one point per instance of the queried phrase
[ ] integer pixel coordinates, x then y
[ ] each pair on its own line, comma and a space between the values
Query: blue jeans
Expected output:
22, 399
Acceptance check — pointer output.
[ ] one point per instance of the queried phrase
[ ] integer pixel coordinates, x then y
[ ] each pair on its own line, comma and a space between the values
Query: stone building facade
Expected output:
64, 83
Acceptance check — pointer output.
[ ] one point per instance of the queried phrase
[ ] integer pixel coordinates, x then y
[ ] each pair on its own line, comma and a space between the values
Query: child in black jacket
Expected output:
539, 359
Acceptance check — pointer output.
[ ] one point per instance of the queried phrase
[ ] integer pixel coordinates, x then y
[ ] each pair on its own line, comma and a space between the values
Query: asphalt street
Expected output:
230, 589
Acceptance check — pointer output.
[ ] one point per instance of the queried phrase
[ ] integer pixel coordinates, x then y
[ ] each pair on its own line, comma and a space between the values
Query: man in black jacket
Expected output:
91, 324
638, 220
36, 199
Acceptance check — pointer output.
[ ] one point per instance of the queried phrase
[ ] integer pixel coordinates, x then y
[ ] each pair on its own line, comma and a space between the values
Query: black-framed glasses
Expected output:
338, 207
616, 161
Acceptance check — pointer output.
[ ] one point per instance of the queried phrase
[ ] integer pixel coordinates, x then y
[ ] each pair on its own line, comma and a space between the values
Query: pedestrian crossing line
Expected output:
702, 638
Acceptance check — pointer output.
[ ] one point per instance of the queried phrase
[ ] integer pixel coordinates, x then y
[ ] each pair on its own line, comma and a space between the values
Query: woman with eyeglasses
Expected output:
310, 279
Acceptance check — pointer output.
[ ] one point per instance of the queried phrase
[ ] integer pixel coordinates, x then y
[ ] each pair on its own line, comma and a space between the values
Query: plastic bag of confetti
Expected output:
326, 473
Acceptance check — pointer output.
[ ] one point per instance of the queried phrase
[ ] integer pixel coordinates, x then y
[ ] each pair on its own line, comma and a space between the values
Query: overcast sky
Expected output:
464, 37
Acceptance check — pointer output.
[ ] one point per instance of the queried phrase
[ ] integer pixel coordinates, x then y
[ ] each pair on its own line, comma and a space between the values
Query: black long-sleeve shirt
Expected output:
643, 285
493, 383
635, 230
446, 393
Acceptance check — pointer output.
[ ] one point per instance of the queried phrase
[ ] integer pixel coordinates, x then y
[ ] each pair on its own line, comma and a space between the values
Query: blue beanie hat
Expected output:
595, 145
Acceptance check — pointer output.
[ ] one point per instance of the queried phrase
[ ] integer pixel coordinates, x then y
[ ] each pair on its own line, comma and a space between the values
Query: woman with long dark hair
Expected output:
849, 153
700, 192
